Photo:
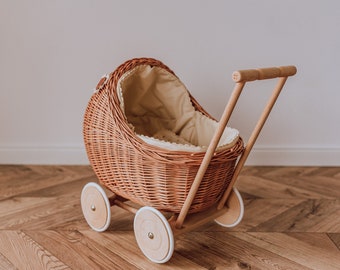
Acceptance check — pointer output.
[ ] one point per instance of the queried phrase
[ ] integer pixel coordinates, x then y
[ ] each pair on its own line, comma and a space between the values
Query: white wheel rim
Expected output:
240, 217
149, 237
86, 202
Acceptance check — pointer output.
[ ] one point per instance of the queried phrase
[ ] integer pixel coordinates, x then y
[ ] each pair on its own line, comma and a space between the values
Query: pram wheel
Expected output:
96, 207
153, 234
235, 212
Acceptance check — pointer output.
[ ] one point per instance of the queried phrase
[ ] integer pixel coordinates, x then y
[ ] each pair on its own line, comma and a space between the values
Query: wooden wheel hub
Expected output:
153, 234
96, 207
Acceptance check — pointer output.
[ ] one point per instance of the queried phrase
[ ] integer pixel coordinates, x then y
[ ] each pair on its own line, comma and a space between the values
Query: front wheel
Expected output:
153, 234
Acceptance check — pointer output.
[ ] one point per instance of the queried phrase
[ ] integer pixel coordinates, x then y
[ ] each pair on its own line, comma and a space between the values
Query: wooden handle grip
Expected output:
263, 73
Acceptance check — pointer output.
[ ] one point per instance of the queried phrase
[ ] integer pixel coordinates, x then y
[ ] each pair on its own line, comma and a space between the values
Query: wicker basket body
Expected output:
140, 172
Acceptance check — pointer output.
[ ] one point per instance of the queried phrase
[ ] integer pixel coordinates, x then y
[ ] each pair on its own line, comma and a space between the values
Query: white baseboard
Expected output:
260, 156
294, 156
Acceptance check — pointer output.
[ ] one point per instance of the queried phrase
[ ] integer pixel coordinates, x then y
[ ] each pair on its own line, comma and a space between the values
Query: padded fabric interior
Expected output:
158, 106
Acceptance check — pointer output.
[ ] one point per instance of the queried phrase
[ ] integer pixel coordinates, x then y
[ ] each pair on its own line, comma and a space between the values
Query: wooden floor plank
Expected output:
335, 237
6, 264
126, 247
47, 213
15, 206
316, 240
310, 182
259, 211
24, 253
266, 188
292, 221
231, 250
314, 256
79, 251
31, 178
308, 216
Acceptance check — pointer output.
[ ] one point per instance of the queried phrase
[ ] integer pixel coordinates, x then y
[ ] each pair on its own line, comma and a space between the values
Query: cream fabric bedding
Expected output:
158, 107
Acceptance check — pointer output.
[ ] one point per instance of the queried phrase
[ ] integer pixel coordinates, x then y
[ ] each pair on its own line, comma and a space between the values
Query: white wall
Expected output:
52, 53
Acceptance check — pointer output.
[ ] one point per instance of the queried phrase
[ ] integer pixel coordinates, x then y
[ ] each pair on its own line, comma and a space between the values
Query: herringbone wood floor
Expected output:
292, 221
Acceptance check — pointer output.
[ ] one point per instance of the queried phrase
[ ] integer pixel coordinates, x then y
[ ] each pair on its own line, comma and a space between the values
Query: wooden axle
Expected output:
120, 201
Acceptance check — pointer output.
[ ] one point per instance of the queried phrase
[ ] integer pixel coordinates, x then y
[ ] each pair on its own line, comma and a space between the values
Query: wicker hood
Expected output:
158, 107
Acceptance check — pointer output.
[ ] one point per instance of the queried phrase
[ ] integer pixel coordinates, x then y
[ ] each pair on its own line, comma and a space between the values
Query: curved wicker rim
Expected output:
151, 150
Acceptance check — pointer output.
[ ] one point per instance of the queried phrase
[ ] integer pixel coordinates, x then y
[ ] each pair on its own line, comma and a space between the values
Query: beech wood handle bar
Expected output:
263, 73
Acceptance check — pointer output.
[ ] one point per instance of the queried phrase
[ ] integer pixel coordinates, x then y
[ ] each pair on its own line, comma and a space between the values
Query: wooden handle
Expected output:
263, 73
253, 137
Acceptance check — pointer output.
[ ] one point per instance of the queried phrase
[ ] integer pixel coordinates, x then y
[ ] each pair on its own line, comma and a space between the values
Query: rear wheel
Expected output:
235, 211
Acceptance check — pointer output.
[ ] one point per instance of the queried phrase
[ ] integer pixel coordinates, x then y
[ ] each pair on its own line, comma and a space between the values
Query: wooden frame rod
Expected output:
209, 154
252, 139
240, 77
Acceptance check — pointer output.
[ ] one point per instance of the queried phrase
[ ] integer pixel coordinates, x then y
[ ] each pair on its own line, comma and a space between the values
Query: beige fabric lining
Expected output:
158, 107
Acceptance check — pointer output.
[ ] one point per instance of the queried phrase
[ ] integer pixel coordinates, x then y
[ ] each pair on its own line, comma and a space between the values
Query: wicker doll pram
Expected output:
139, 171
162, 156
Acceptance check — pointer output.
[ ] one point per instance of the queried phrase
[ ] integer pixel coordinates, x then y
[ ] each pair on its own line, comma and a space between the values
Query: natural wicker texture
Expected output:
143, 173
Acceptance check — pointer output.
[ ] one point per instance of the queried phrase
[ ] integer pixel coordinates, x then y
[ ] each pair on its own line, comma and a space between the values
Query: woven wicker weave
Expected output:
143, 173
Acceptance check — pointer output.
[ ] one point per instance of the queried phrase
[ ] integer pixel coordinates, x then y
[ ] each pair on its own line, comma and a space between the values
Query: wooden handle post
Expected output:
252, 139
209, 154
263, 73
240, 77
